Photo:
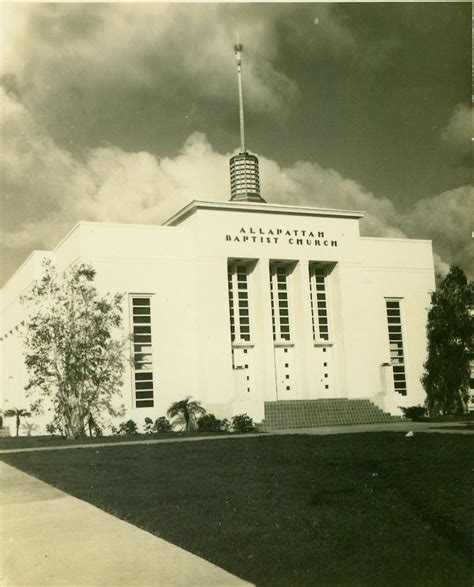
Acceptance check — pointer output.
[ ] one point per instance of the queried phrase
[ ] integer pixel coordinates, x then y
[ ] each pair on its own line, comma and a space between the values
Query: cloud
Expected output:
99, 63
446, 219
457, 134
88, 70
36, 175
319, 28
47, 190
150, 189
306, 183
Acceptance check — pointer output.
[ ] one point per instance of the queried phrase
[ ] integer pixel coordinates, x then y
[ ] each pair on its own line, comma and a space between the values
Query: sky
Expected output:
126, 112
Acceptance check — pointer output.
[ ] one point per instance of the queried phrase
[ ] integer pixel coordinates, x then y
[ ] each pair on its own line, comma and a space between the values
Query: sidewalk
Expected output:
402, 427
50, 538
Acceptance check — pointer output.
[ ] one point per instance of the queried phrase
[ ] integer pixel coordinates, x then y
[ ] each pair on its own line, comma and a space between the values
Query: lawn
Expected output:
14, 442
372, 509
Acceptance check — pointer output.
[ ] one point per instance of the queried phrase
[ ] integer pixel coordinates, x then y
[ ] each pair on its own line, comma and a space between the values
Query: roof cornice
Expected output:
196, 205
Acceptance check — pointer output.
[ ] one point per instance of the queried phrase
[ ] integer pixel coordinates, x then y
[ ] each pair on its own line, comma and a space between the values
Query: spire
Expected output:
244, 173
237, 49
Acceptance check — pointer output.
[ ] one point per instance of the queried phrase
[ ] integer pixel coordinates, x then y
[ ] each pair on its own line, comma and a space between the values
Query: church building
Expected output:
281, 312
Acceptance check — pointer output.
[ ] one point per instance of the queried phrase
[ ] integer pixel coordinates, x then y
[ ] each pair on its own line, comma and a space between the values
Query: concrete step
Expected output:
288, 414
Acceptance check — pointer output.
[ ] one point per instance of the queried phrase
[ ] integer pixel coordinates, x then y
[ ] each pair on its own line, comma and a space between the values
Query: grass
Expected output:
461, 426
372, 509
469, 417
13, 442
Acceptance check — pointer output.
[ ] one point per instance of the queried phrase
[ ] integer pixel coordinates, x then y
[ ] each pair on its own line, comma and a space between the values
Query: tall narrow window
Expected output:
142, 351
238, 274
395, 338
280, 304
319, 303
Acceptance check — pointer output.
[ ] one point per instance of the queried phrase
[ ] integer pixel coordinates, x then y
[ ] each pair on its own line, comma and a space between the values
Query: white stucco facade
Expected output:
311, 321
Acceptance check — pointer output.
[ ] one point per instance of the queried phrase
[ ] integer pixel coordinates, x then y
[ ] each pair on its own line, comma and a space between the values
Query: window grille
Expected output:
142, 352
238, 285
395, 338
280, 302
319, 302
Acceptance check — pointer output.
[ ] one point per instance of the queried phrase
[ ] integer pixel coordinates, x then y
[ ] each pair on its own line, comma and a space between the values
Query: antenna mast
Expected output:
244, 174
237, 50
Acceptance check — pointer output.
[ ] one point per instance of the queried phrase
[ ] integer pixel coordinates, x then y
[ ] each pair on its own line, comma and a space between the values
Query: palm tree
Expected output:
185, 410
19, 414
29, 428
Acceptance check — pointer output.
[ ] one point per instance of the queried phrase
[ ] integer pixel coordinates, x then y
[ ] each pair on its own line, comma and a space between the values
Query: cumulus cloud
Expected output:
47, 190
88, 70
447, 220
36, 175
308, 183
148, 189
100, 63
457, 134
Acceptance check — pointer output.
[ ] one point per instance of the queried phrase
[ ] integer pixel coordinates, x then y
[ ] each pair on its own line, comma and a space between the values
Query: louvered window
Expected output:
280, 302
142, 352
395, 338
238, 285
319, 302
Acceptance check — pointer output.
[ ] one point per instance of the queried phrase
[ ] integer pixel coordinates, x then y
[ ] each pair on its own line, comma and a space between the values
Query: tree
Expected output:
185, 411
73, 351
450, 345
29, 428
18, 414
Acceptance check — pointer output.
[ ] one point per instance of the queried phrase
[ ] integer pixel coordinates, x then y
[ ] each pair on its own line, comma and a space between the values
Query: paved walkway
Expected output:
430, 427
50, 538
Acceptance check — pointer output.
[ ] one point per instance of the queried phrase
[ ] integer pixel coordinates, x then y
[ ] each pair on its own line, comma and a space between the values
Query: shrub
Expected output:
51, 429
29, 427
209, 423
148, 425
242, 423
162, 425
128, 427
414, 413
225, 425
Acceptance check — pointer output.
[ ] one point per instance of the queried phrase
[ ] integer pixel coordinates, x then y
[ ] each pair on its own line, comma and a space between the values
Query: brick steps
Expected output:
289, 414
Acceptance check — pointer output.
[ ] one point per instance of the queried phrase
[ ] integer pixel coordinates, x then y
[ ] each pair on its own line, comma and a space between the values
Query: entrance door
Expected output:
286, 384
322, 381
244, 376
